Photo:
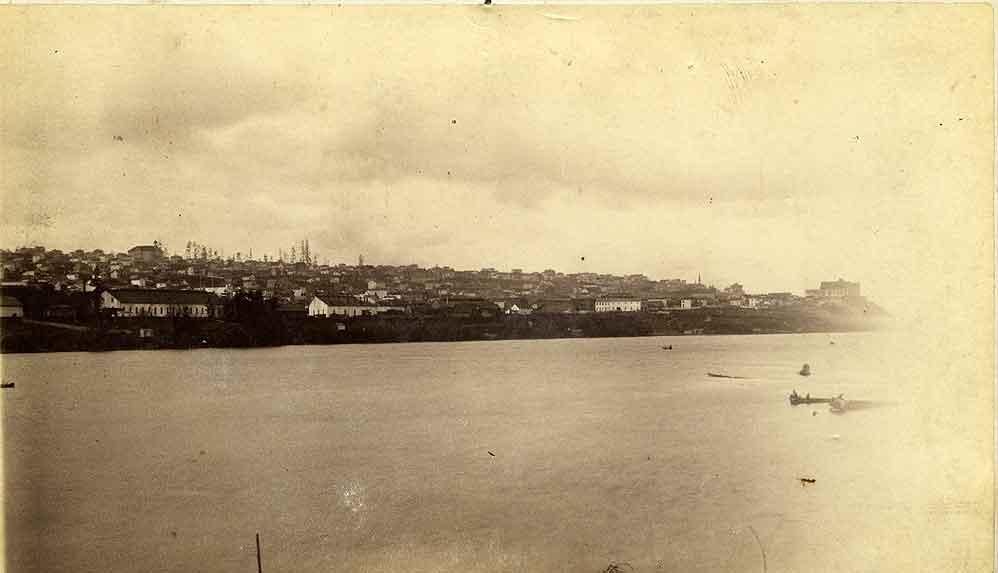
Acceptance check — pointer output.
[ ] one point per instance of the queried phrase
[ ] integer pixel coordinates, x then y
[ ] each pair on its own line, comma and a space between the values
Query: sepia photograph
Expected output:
485, 288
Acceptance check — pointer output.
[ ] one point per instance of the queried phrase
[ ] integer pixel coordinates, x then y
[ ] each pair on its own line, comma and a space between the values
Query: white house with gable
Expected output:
346, 306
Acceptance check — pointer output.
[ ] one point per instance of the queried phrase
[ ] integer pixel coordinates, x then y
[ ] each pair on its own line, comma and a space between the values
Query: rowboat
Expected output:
796, 399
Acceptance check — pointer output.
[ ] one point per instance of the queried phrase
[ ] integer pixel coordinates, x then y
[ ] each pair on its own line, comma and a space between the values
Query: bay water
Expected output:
552, 455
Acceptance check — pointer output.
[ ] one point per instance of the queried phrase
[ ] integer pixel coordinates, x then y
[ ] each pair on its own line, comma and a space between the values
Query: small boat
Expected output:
805, 370
715, 375
796, 399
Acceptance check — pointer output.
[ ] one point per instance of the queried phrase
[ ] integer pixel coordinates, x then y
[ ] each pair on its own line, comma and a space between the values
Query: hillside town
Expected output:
149, 298
149, 277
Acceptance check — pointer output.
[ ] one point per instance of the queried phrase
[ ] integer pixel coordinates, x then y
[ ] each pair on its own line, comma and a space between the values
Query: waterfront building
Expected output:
346, 306
158, 303
618, 304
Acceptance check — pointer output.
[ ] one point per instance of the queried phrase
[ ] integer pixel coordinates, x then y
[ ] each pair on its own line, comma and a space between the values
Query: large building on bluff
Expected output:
835, 289
145, 253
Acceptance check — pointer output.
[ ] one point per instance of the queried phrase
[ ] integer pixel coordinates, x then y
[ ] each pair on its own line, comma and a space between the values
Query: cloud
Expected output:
170, 103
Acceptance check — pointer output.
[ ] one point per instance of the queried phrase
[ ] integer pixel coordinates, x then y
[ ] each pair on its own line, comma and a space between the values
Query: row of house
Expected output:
639, 304
137, 302
472, 308
605, 304
298, 279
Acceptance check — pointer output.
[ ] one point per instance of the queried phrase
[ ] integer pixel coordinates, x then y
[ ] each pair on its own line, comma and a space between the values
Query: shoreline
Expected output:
25, 336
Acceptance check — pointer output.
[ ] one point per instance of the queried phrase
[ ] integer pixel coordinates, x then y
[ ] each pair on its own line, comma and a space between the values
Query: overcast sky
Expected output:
774, 146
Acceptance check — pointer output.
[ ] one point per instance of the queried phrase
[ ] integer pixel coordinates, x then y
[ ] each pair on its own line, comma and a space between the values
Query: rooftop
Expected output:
161, 296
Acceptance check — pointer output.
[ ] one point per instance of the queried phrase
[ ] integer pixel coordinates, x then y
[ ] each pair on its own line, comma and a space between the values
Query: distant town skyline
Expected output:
256, 256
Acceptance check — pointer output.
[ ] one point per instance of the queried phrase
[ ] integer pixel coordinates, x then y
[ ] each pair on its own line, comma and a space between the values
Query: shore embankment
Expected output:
21, 335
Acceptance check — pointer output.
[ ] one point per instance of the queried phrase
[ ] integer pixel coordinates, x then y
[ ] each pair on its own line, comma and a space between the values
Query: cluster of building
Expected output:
146, 281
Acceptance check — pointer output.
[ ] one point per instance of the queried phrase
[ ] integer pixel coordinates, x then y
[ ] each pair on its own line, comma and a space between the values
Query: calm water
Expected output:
377, 458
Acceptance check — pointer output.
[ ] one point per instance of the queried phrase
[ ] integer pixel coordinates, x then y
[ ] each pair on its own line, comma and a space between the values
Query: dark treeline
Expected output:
249, 320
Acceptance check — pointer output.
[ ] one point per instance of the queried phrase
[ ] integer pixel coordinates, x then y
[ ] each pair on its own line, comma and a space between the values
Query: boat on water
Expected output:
805, 370
796, 399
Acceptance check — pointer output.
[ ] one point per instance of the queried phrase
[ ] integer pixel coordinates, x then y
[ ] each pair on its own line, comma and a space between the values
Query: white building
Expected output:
225, 290
618, 304
374, 295
839, 289
346, 306
145, 302
515, 309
